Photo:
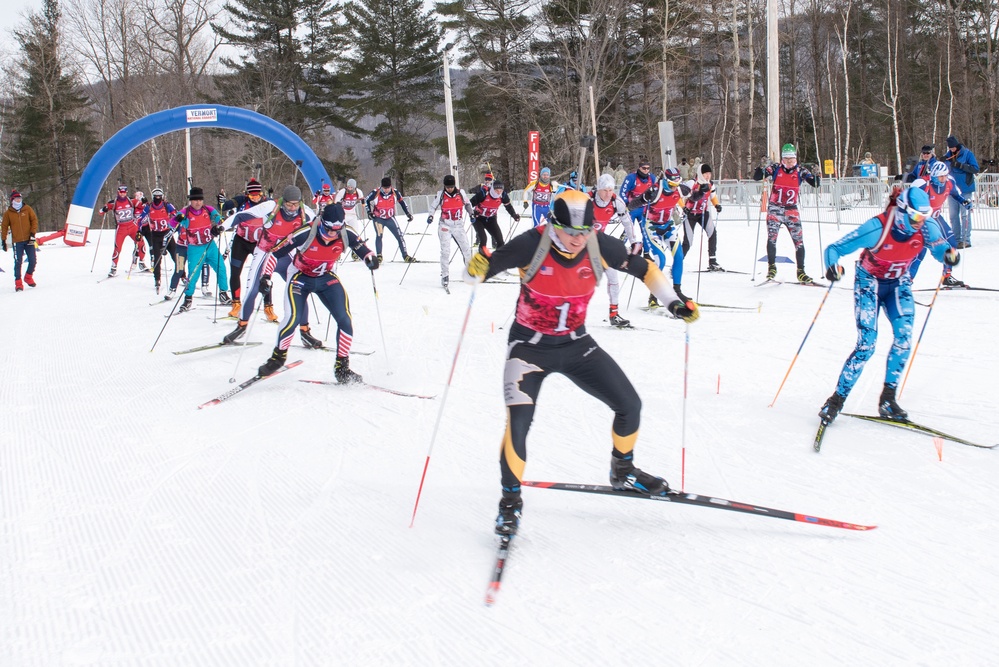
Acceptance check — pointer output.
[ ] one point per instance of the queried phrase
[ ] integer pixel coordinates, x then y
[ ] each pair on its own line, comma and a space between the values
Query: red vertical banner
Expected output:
533, 155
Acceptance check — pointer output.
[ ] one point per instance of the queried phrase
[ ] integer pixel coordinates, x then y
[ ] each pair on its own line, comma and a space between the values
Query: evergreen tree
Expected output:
291, 50
493, 36
394, 67
47, 118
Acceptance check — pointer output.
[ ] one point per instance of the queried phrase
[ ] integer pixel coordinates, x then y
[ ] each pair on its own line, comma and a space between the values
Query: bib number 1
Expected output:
563, 316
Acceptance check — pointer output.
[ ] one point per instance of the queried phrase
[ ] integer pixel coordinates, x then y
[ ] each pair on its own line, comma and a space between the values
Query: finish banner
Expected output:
533, 155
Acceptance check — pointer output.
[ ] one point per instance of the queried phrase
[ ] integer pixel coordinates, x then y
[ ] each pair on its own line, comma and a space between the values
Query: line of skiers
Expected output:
561, 260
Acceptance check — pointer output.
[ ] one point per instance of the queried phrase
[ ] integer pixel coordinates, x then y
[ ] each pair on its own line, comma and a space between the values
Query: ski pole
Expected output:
409, 264
135, 256
759, 219
315, 311
169, 317
378, 312
402, 236
97, 245
466, 231
700, 260
253, 314
160, 252
218, 264
683, 421
818, 223
239, 358
440, 410
912, 358
824, 297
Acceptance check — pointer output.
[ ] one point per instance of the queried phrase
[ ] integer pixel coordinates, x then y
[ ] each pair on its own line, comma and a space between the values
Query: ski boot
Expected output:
409, 259
831, 408
508, 519
188, 304
205, 293
343, 374
619, 322
380, 260
29, 279
224, 298
888, 408
236, 306
269, 313
158, 286
951, 281
713, 265
171, 294
276, 361
444, 284
771, 272
653, 301
616, 320
803, 277
624, 476
18, 285
308, 340
113, 271
235, 334
142, 267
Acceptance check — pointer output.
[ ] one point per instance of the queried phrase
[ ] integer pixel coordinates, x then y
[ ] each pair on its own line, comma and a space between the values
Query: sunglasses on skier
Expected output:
574, 231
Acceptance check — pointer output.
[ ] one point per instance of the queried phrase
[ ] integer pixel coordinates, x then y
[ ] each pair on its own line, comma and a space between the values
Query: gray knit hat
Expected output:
292, 193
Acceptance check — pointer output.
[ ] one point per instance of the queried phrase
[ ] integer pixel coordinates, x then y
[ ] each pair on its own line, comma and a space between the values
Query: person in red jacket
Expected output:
155, 219
380, 205
21, 221
561, 263
315, 250
127, 227
323, 197
486, 203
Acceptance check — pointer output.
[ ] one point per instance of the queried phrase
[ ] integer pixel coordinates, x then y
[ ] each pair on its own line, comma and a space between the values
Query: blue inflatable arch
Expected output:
132, 136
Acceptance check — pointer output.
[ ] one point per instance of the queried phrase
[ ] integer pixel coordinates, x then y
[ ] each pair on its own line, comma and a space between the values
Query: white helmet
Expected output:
939, 170
605, 182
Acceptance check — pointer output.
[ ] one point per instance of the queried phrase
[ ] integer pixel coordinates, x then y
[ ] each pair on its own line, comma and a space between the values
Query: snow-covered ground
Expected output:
273, 528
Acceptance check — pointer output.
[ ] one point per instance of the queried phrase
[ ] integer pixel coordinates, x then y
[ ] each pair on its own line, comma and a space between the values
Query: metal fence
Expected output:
840, 201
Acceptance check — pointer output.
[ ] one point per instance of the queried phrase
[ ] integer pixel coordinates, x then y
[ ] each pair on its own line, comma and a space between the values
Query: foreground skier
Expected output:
561, 264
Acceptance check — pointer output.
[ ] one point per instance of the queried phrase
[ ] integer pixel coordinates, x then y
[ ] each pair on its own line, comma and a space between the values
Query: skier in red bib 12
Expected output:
561, 263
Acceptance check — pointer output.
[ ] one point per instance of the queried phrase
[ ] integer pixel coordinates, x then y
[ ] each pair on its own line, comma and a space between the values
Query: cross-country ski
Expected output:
702, 501
225, 396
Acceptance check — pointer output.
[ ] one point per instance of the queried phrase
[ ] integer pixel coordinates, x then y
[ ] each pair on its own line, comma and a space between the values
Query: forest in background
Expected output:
362, 83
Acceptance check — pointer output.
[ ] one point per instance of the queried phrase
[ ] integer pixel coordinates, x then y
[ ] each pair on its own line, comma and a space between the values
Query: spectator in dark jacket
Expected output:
922, 169
21, 221
963, 167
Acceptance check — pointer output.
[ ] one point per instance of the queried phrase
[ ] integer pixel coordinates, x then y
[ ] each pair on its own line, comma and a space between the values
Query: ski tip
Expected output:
831, 523
491, 593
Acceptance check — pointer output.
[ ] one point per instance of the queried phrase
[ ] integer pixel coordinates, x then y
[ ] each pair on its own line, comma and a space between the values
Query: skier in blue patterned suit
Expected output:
889, 242
315, 251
